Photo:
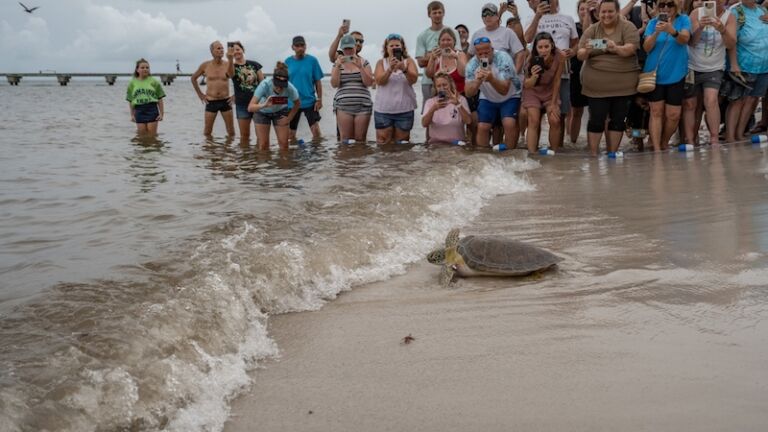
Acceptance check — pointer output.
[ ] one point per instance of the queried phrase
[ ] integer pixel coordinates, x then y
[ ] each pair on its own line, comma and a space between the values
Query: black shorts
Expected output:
671, 94
220, 105
146, 113
311, 115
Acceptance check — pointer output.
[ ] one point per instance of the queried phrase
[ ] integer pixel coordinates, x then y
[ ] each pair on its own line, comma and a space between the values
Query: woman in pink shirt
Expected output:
447, 113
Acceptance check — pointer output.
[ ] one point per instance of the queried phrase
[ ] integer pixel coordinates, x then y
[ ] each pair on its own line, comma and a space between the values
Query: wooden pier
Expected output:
64, 78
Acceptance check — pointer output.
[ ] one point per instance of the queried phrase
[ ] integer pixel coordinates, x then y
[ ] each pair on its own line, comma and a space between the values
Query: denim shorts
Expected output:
488, 111
760, 86
146, 113
270, 118
402, 121
242, 112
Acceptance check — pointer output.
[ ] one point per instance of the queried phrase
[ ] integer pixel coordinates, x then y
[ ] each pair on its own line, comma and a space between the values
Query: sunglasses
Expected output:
667, 5
481, 40
488, 13
394, 36
299, 45
360, 41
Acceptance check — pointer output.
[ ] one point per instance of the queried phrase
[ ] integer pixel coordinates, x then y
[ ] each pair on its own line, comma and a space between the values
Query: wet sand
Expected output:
656, 320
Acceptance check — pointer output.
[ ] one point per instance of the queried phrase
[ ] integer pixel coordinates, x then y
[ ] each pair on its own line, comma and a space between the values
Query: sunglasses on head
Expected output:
394, 36
481, 40
667, 5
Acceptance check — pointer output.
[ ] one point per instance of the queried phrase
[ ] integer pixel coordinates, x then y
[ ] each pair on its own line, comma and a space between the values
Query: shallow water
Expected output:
138, 279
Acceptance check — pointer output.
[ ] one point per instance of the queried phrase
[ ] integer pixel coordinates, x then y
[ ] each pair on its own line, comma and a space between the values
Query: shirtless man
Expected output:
216, 97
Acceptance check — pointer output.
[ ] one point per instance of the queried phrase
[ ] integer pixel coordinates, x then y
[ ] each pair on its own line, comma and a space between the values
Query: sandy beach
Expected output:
656, 320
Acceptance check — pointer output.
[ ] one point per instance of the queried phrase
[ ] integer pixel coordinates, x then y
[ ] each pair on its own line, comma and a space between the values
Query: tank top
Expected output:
455, 75
708, 55
352, 95
396, 96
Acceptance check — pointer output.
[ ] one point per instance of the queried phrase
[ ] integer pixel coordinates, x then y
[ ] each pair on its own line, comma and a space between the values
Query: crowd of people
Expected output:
650, 70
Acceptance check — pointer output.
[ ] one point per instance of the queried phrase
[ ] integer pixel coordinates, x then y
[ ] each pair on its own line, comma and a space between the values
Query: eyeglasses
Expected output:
480, 40
667, 5
394, 36
488, 13
360, 41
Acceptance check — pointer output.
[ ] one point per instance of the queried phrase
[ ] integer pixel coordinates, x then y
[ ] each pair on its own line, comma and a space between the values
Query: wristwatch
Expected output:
677, 33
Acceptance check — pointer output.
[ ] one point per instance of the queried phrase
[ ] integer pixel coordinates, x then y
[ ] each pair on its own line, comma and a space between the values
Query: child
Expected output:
145, 98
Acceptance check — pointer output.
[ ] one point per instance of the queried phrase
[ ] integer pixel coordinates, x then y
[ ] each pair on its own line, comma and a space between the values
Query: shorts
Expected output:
311, 115
263, 118
242, 112
354, 111
671, 94
146, 113
578, 100
219, 105
473, 102
487, 111
734, 90
704, 80
760, 86
565, 95
402, 121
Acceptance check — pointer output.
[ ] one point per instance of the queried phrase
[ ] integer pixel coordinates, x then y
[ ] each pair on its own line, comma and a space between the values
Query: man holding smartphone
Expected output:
305, 74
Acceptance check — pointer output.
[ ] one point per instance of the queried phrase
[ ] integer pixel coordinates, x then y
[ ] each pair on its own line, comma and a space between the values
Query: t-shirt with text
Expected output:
141, 92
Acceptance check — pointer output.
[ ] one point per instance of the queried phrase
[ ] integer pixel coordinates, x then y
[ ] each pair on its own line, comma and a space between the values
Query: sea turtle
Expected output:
489, 256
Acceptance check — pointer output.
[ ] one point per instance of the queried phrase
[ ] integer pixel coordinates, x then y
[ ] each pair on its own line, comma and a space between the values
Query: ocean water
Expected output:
138, 277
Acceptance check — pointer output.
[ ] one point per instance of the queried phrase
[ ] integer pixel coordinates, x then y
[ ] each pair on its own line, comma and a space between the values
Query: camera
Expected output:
598, 43
398, 53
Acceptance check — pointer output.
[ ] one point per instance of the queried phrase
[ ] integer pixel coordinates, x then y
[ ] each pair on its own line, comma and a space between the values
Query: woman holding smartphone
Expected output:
246, 76
270, 107
145, 99
713, 29
541, 90
446, 114
608, 49
666, 42
395, 100
351, 77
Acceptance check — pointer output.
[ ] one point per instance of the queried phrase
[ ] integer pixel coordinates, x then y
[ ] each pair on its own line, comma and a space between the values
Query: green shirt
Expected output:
148, 90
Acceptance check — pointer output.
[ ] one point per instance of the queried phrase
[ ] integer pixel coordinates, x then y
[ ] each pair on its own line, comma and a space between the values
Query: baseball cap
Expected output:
297, 40
491, 7
280, 78
348, 41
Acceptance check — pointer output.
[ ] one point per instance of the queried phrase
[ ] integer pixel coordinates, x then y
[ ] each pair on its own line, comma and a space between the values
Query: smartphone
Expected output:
709, 10
447, 51
663, 17
598, 43
348, 59
546, 2
279, 100
398, 53
230, 44
484, 63
346, 23
510, 2
441, 94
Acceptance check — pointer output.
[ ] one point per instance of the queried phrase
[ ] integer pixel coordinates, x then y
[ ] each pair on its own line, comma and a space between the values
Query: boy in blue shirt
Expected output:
305, 74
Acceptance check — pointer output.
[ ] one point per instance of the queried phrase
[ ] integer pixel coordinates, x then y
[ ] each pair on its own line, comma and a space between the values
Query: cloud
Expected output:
28, 42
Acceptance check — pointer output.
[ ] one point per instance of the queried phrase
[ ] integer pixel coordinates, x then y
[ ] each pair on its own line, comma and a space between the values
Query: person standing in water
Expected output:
145, 98
246, 75
216, 97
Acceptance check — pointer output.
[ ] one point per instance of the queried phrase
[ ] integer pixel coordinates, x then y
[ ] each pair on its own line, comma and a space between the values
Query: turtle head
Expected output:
437, 256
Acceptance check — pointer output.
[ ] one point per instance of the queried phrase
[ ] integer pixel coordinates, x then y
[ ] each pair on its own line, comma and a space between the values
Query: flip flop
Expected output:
739, 79
759, 128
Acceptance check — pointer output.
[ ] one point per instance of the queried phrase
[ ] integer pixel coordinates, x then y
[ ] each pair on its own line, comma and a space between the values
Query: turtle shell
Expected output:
504, 256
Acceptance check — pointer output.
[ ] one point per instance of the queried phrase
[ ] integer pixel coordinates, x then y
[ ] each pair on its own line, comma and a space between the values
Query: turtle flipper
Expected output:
437, 256
446, 275
452, 239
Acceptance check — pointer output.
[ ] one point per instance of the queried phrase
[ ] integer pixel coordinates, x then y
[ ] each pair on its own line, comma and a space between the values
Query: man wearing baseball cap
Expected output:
305, 74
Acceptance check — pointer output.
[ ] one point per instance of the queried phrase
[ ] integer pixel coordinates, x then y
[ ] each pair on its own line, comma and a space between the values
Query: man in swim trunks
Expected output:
216, 97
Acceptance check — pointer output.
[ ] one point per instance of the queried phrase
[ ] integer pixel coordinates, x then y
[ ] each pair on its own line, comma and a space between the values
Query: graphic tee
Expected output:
245, 81
265, 90
146, 91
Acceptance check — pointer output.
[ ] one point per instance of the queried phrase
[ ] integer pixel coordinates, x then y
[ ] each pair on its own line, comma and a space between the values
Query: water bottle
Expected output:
348, 141
403, 142
459, 143
300, 142
685, 148
759, 139
546, 152
615, 155
499, 147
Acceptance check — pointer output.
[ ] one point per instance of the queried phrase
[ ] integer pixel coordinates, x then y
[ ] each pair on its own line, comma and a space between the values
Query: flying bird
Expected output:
29, 10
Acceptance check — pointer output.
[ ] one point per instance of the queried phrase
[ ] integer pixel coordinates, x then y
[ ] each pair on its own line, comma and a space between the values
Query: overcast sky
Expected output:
109, 36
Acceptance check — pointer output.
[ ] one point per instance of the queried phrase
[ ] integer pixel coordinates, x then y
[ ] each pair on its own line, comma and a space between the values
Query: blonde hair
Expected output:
445, 76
